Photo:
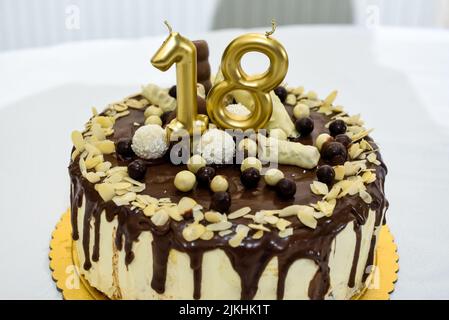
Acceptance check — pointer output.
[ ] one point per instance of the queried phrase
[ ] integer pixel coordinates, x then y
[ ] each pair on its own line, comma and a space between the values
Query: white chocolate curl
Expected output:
159, 97
288, 152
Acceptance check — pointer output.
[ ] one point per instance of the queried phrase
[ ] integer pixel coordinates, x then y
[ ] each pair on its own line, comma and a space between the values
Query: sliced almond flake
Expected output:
105, 146
162, 200
120, 107
366, 197
108, 131
290, 210
361, 135
104, 122
97, 132
249, 216
185, 204
214, 217
121, 185
75, 154
259, 217
146, 199
138, 205
219, 226
365, 145
124, 199
239, 213
78, 140
173, 213
93, 161
136, 183
258, 227
105, 190
241, 233
339, 109
103, 166
326, 207
257, 235
368, 177
339, 172
94, 111
327, 110
286, 233
121, 192
207, 235
354, 167
297, 90
121, 114
117, 169
198, 216
135, 104
282, 224
330, 98
372, 157
307, 218
136, 189
149, 210
319, 188
271, 219
318, 214
333, 193
224, 233
355, 151
193, 231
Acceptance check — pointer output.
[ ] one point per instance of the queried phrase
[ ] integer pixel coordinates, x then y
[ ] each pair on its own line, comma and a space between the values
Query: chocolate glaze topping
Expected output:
251, 257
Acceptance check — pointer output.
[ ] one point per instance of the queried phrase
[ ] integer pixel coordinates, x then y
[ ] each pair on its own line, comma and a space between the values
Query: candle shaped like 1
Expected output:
180, 50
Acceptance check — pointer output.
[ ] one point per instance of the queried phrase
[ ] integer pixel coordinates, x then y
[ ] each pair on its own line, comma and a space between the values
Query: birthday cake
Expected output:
289, 208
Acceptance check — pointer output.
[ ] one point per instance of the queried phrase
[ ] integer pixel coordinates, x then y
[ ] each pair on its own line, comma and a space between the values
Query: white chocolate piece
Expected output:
159, 97
288, 152
153, 111
219, 184
301, 110
278, 134
184, 180
195, 163
280, 119
251, 162
272, 176
321, 139
154, 120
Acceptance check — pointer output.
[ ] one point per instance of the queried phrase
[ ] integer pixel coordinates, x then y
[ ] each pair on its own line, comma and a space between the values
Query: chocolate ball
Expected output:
123, 148
325, 174
337, 127
334, 153
205, 175
281, 92
221, 202
172, 92
304, 126
137, 169
250, 177
343, 139
286, 188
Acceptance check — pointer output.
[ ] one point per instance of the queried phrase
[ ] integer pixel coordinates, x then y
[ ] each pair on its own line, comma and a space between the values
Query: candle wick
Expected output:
273, 28
168, 26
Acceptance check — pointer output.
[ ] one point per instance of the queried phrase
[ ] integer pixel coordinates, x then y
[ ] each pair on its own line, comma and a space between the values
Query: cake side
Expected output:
275, 249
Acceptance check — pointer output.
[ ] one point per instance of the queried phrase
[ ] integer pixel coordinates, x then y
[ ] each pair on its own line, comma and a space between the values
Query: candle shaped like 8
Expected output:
180, 50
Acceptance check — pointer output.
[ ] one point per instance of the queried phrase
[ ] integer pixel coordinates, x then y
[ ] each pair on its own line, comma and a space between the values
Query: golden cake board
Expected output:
64, 265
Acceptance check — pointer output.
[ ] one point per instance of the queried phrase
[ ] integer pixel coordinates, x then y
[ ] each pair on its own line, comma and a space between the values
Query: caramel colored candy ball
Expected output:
185, 181
219, 184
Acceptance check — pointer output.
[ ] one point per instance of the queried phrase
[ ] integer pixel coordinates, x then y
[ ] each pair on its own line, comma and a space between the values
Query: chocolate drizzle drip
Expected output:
250, 259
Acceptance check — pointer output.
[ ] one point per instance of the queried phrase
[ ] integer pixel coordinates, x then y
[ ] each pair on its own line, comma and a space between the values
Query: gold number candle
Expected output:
258, 86
180, 50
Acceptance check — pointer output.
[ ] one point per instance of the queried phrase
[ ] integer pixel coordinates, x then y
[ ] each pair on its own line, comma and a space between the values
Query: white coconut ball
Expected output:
216, 146
150, 142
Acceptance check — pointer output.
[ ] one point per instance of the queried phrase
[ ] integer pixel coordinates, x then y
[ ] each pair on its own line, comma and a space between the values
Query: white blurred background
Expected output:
31, 23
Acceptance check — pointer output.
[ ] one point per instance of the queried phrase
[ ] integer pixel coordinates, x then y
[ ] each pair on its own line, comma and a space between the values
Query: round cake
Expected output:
290, 211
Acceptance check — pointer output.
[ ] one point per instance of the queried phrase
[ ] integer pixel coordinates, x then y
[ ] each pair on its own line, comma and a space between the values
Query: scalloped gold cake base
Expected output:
64, 264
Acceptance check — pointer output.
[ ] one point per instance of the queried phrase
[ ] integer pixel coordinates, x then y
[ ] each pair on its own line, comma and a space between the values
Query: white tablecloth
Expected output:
396, 78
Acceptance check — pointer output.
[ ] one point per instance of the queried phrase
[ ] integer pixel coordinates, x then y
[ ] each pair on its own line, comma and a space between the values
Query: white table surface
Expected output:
396, 78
